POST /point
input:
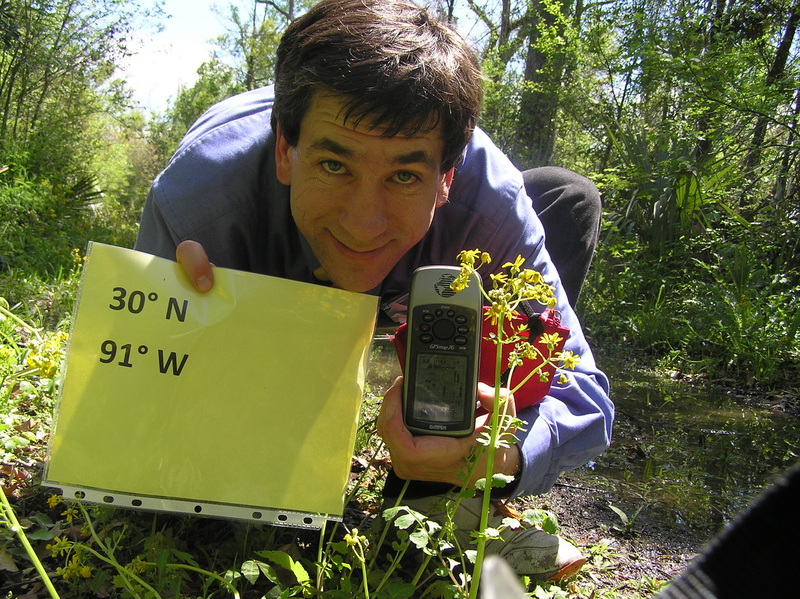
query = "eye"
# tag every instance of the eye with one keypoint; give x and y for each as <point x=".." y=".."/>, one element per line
<point x="404" y="177"/>
<point x="334" y="167"/>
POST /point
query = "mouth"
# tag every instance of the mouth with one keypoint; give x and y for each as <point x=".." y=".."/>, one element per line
<point x="358" y="253"/>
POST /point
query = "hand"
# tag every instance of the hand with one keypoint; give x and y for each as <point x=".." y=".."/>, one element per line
<point x="439" y="458"/>
<point x="192" y="257"/>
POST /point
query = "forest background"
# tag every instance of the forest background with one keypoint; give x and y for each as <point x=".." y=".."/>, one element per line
<point x="684" y="113"/>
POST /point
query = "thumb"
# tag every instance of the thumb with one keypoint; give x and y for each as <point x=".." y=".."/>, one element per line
<point x="192" y="257"/>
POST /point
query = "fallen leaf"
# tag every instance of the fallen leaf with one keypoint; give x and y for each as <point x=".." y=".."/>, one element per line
<point x="7" y="562"/>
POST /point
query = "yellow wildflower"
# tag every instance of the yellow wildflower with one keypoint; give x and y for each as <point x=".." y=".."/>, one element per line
<point x="551" y="340"/>
<point x="75" y="569"/>
<point x="568" y="359"/>
<point x="59" y="545"/>
<point x="70" y="513"/>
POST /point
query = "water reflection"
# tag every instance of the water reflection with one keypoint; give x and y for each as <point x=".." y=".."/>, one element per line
<point x="700" y="454"/>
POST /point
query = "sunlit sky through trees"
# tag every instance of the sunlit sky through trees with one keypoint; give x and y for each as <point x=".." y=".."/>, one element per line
<point x="165" y="60"/>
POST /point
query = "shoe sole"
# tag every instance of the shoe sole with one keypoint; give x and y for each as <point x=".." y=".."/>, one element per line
<point x="567" y="571"/>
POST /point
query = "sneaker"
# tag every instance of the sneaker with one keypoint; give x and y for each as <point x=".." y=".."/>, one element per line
<point x="529" y="550"/>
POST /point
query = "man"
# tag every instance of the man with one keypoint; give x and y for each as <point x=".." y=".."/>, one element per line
<point x="366" y="165"/>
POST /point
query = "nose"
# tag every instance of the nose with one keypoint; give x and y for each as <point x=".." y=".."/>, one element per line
<point x="364" y="214"/>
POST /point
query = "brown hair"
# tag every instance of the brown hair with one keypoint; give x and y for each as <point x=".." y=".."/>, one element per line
<point x="396" y="67"/>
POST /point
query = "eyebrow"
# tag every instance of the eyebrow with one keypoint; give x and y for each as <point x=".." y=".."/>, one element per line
<point x="326" y="144"/>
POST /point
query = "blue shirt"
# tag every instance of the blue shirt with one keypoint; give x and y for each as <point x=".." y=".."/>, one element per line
<point x="220" y="190"/>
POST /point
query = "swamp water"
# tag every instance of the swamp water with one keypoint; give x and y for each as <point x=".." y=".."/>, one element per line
<point x="695" y="456"/>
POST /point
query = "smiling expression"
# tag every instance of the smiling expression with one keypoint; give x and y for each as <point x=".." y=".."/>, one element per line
<point x="360" y="199"/>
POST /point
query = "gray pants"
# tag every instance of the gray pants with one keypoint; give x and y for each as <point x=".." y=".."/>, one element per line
<point x="570" y="208"/>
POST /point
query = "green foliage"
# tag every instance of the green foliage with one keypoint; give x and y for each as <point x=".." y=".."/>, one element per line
<point x="727" y="308"/>
<point x="215" y="83"/>
<point x="248" y="45"/>
<point x="501" y="98"/>
<point x="125" y="162"/>
<point x="43" y="222"/>
<point x="243" y="60"/>
<point x="529" y="55"/>
<point x="746" y="319"/>
<point x="53" y="64"/>
<point x="30" y="358"/>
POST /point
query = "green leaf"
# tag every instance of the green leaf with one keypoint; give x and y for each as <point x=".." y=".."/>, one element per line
<point x="432" y="525"/>
<point x="400" y="590"/>
<point x="231" y="576"/>
<point x="405" y="521"/>
<point x="391" y="512"/>
<point x="284" y="560"/>
<point x="622" y="515"/>
<point x="544" y="519"/>
<point x="269" y="572"/>
<point x="43" y="520"/>
<point x="186" y="557"/>
<point x="420" y="538"/>
<point x="501" y="480"/>
<point x="161" y="560"/>
<point x="250" y="571"/>
<point x="40" y="535"/>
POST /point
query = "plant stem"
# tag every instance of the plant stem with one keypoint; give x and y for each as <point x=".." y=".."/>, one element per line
<point x="9" y="314"/>
<point x="362" y="559"/>
<point x="201" y="571"/>
<point x="421" y="570"/>
<point x="322" y="557"/>
<point x="386" y="526"/>
<point x="109" y="556"/>
<point x="124" y="573"/>
<point x="14" y="526"/>
<point x="487" y="491"/>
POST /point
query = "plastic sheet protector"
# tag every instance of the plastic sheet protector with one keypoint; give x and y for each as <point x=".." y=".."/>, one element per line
<point x="242" y="402"/>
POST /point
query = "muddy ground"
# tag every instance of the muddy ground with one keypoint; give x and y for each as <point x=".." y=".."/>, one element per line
<point x="650" y="548"/>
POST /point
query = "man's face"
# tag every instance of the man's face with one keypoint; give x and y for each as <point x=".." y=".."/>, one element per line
<point x="361" y="200"/>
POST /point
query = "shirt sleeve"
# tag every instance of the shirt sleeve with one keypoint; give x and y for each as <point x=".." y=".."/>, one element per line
<point x="220" y="190"/>
<point x="567" y="429"/>
<point x="573" y="423"/>
<point x="155" y="235"/>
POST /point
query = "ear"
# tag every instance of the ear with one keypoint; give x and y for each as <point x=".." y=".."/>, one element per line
<point x="283" y="158"/>
<point x="444" y="188"/>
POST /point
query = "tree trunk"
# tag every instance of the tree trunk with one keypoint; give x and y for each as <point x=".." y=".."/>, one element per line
<point x="540" y="97"/>
<point x="703" y="146"/>
<point x="775" y="73"/>
<point x="789" y="155"/>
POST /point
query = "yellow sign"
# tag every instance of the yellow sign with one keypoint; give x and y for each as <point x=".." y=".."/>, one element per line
<point x="246" y="396"/>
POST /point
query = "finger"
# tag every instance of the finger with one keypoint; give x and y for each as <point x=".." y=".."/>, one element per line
<point x="486" y="396"/>
<point x="390" y="418"/>
<point x="192" y="257"/>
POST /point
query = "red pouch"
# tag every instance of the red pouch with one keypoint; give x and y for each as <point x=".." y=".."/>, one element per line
<point x="534" y="389"/>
